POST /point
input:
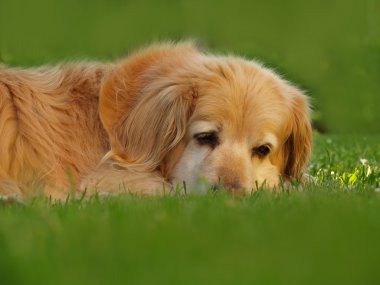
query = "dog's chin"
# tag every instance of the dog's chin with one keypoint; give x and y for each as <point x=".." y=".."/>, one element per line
<point x="202" y="185"/>
<point x="196" y="183"/>
<point x="194" y="186"/>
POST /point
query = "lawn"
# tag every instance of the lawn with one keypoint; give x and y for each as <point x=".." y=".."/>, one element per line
<point x="329" y="48"/>
<point x="327" y="232"/>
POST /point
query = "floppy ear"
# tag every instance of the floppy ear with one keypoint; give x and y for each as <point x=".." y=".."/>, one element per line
<point x="145" y="106"/>
<point x="299" y="143"/>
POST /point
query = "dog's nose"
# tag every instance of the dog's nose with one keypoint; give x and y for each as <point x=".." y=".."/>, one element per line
<point x="233" y="184"/>
<point x="214" y="187"/>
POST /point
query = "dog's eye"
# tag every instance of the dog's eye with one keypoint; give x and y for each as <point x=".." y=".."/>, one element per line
<point x="210" y="139"/>
<point x="262" y="150"/>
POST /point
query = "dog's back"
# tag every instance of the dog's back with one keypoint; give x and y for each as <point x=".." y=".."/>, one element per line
<point x="49" y="124"/>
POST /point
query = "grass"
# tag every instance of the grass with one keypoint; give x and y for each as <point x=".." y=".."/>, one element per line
<point x="327" y="232"/>
<point x="324" y="233"/>
<point x="329" y="48"/>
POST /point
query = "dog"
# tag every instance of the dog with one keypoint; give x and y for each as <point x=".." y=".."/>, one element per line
<point x="167" y="115"/>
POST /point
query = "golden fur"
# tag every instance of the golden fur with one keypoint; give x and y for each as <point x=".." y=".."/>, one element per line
<point x="164" y="115"/>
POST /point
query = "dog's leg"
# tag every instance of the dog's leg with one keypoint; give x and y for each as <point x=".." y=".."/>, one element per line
<point x="57" y="193"/>
<point x="111" y="180"/>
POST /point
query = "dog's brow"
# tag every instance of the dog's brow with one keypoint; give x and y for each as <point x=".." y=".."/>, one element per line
<point x="270" y="138"/>
<point x="203" y="126"/>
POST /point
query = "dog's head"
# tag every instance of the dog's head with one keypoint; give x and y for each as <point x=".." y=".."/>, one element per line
<point x="189" y="115"/>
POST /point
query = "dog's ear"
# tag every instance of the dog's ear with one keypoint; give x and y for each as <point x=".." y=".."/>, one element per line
<point x="298" y="146"/>
<point x="145" y="104"/>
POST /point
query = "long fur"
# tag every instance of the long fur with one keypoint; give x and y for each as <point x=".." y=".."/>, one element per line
<point x="57" y="123"/>
<point x="50" y="127"/>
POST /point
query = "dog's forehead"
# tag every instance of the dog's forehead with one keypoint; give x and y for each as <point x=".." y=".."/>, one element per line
<point x="243" y="99"/>
<point x="237" y="85"/>
<point x="240" y="114"/>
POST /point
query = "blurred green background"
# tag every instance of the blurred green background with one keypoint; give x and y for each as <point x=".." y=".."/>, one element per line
<point x="329" y="48"/>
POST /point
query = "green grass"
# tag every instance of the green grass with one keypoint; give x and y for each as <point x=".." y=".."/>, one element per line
<point x="324" y="233"/>
<point x="327" y="232"/>
<point x="329" y="48"/>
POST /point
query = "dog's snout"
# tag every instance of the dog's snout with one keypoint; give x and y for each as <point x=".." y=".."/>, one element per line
<point x="230" y="184"/>
<point x="233" y="184"/>
<point x="214" y="187"/>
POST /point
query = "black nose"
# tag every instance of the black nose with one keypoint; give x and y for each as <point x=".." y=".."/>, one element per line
<point x="214" y="187"/>
<point x="231" y="185"/>
<point x="234" y="185"/>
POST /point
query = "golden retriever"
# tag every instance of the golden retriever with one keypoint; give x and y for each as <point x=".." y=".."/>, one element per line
<point x="168" y="114"/>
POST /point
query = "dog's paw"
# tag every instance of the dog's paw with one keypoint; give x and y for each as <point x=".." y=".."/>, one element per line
<point x="10" y="192"/>
<point x="11" y="199"/>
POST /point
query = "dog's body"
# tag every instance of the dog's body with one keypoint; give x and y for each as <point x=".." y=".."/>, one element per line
<point x="162" y="116"/>
<point x="50" y="127"/>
